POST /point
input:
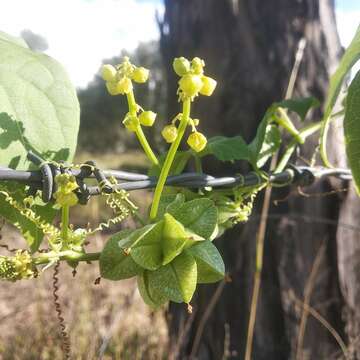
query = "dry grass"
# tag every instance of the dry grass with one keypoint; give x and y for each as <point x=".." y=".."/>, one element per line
<point x="109" y="317"/>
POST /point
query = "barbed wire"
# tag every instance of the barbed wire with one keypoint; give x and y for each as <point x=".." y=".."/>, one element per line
<point x="43" y="179"/>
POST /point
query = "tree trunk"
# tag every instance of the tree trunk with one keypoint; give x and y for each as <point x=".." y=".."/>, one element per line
<point x="249" y="46"/>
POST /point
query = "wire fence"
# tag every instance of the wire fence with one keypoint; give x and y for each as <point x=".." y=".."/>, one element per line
<point x="43" y="179"/>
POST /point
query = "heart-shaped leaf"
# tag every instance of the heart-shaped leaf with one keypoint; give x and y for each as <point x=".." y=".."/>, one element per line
<point x="114" y="263"/>
<point x="352" y="129"/>
<point x="169" y="203"/>
<point x="198" y="215"/>
<point x="153" y="300"/>
<point x="174" y="238"/>
<point x="32" y="234"/>
<point x="176" y="280"/>
<point x="39" y="109"/>
<point x="210" y="265"/>
<point x="145" y="245"/>
<point x="227" y="148"/>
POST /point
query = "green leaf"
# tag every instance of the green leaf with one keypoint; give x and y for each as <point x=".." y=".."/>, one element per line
<point x="169" y="203"/>
<point x="143" y="286"/>
<point x="176" y="280"/>
<point x="210" y="265"/>
<point x="199" y="216"/>
<point x="145" y="245"/>
<point x="31" y="233"/>
<point x="114" y="263"/>
<point x="174" y="238"/>
<point x="177" y="167"/>
<point x="352" y="129"/>
<point x="266" y="141"/>
<point x="300" y="106"/>
<point x="271" y="144"/>
<point x="39" y="110"/>
<point x="227" y="149"/>
<point x="350" y="57"/>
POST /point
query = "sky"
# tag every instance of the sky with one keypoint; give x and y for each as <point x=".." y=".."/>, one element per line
<point x="80" y="33"/>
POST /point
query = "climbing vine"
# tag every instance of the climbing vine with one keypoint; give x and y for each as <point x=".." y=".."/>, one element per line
<point x="172" y="249"/>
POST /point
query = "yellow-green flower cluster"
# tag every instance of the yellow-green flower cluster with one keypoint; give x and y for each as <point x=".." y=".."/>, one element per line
<point x="64" y="195"/>
<point x="193" y="81"/>
<point x="17" y="267"/>
<point x="196" y="140"/>
<point x="119" y="78"/>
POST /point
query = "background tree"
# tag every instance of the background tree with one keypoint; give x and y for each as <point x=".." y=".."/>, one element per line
<point x="250" y="47"/>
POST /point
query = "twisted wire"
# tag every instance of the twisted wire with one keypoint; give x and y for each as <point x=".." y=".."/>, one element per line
<point x="61" y="321"/>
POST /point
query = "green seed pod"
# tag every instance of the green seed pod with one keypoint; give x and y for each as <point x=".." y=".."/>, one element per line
<point x="197" y="141"/>
<point x="181" y="66"/>
<point x="169" y="133"/>
<point x="147" y="118"/>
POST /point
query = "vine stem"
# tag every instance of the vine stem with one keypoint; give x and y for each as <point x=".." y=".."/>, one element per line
<point x="139" y="133"/>
<point x="65" y="255"/>
<point x="65" y="225"/>
<point x="170" y="158"/>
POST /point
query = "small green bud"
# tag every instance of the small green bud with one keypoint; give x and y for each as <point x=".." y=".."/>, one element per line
<point x="169" y="133"/>
<point x="108" y="72"/>
<point x="140" y="75"/>
<point x="197" y="141"/>
<point x="131" y="123"/>
<point x="197" y="66"/>
<point x="112" y="88"/>
<point x="147" y="118"/>
<point x="208" y="87"/>
<point x="181" y="66"/>
<point x="190" y="85"/>
<point x="124" y="86"/>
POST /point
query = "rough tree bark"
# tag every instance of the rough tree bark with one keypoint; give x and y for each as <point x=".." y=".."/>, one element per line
<point x="249" y="47"/>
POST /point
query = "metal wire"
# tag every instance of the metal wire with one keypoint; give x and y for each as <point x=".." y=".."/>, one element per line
<point x="43" y="179"/>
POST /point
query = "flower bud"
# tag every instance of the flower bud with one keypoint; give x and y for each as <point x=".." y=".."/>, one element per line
<point x="197" y="66"/>
<point x="112" y="88"/>
<point x="190" y="85"/>
<point x="197" y="141"/>
<point x="140" y="75"/>
<point x="169" y="133"/>
<point x="131" y="123"/>
<point x="181" y="66"/>
<point x="124" y="86"/>
<point x="147" y="118"/>
<point x="209" y="86"/>
<point x="108" y="72"/>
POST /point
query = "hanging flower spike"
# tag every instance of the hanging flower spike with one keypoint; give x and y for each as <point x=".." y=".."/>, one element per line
<point x="197" y="141"/>
<point x="17" y="267"/>
<point x="169" y="133"/>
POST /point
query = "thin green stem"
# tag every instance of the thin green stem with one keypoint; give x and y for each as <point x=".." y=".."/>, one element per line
<point x="139" y="133"/>
<point x="67" y="255"/>
<point x="303" y="133"/>
<point x="170" y="158"/>
<point x="198" y="165"/>
<point x="65" y="225"/>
